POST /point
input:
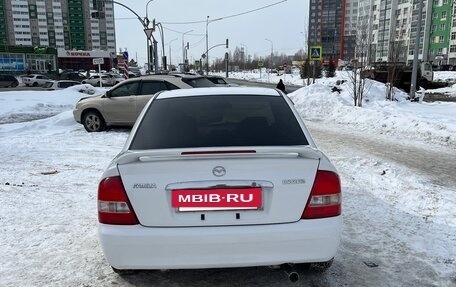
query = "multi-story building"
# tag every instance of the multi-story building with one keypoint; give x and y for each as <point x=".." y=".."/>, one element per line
<point x="452" y="37"/>
<point x="390" y="29"/>
<point x="58" y="24"/>
<point x="326" y="22"/>
<point x="440" y="32"/>
<point x="350" y="30"/>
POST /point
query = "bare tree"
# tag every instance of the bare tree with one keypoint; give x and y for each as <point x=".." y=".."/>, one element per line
<point x="397" y="52"/>
<point x="395" y="69"/>
<point x="300" y="55"/>
<point x="357" y="77"/>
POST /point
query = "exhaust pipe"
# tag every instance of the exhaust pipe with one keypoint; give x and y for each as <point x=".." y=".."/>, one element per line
<point x="293" y="276"/>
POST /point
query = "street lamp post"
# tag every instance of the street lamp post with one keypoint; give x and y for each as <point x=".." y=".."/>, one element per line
<point x="169" y="44"/>
<point x="207" y="41"/>
<point x="146" y="23"/>
<point x="245" y="53"/>
<point x="303" y="44"/>
<point x="272" y="57"/>
<point x="183" y="47"/>
<point x="272" y="53"/>
<point x="147" y="5"/>
<point x="207" y="46"/>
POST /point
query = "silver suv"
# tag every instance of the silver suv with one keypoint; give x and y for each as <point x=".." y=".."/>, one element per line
<point x="121" y="105"/>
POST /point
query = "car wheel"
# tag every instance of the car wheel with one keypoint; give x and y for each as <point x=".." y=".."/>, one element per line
<point x="93" y="122"/>
<point x="35" y="84"/>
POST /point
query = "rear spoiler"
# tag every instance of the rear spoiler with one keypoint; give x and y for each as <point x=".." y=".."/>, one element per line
<point x="213" y="153"/>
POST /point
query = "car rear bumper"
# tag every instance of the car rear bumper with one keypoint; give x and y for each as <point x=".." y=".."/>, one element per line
<point x="138" y="247"/>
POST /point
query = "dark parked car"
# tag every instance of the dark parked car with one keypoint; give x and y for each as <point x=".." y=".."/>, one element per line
<point x="8" y="81"/>
<point x="219" y="81"/>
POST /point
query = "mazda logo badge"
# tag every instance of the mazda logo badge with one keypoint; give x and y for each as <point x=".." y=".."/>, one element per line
<point x="219" y="171"/>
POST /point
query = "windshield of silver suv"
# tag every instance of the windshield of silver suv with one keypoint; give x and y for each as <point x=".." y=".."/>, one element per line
<point x="222" y="120"/>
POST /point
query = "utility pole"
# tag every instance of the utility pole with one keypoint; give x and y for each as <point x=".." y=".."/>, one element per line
<point x="184" y="52"/>
<point x="416" y="51"/>
<point x="271" y="64"/>
<point x="207" y="46"/>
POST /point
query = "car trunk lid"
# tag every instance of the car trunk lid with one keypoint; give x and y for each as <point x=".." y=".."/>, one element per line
<point x="263" y="185"/>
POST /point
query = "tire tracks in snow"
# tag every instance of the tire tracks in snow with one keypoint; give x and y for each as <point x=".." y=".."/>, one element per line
<point x="437" y="163"/>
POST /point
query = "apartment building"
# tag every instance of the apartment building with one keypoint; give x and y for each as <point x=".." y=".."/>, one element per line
<point x="63" y="25"/>
<point x="392" y="27"/>
<point x="452" y="37"/>
<point x="441" y="34"/>
<point x="350" y="31"/>
<point x="326" y="22"/>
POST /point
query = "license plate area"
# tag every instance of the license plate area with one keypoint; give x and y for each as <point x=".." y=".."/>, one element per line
<point x="217" y="199"/>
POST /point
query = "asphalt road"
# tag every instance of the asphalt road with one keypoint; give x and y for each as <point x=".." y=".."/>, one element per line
<point x="21" y="88"/>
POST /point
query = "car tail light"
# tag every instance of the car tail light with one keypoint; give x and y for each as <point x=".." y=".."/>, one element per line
<point x="325" y="199"/>
<point x="113" y="204"/>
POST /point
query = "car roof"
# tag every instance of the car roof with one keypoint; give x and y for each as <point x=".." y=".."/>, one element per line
<point x="166" y="77"/>
<point x="175" y="79"/>
<point x="217" y="91"/>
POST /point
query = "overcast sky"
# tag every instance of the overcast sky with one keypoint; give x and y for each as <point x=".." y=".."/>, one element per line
<point x="284" y="24"/>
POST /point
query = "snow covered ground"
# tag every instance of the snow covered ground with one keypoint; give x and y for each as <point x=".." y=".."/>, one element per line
<point x="393" y="217"/>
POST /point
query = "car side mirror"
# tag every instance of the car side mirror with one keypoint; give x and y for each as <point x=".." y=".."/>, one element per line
<point x="107" y="94"/>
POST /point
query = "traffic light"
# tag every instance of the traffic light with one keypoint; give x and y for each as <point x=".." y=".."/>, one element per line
<point x="97" y="15"/>
<point x="227" y="43"/>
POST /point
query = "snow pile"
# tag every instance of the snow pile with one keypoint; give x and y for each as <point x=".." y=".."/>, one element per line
<point x="430" y="122"/>
<point x="30" y="105"/>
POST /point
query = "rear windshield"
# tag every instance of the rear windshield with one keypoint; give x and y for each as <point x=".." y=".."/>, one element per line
<point x="218" y="121"/>
<point x="198" y="82"/>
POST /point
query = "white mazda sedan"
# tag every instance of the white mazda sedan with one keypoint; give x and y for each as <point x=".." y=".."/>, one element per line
<point x="219" y="177"/>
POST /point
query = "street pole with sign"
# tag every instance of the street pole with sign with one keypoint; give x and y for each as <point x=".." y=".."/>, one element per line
<point x="315" y="56"/>
<point x="260" y="65"/>
<point x="99" y="62"/>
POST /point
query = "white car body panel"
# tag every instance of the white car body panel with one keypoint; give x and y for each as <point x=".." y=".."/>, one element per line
<point x="138" y="247"/>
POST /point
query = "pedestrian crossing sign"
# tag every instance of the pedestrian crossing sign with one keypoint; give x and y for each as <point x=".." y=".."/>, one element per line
<point x="316" y="53"/>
